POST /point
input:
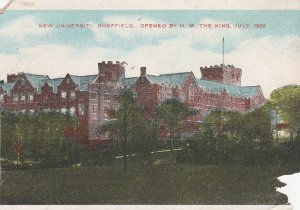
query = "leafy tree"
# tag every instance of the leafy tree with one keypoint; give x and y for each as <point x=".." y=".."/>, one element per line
<point x="128" y="123"/>
<point x="286" y="102"/>
<point x="171" y="113"/>
<point x="18" y="145"/>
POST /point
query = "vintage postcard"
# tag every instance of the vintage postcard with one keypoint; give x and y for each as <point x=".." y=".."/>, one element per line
<point x="132" y="104"/>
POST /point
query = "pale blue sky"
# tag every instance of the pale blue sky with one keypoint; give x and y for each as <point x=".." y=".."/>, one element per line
<point x="279" y="23"/>
<point x="269" y="57"/>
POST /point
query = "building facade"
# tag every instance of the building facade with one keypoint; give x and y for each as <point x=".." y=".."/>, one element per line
<point x="90" y="97"/>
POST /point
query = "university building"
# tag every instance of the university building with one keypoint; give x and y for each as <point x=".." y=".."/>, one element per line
<point x="90" y="97"/>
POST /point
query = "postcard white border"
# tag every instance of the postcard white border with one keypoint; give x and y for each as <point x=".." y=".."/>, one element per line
<point x="155" y="5"/>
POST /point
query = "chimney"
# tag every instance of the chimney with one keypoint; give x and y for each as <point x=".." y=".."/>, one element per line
<point x="143" y="71"/>
<point x="12" y="77"/>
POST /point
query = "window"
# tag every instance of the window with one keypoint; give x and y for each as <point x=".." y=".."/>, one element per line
<point x="93" y="96"/>
<point x="30" y="97"/>
<point x="72" y="110"/>
<point x="63" y="94"/>
<point x="73" y="95"/>
<point x="16" y="97"/>
<point x="191" y="92"/>
<point x="106" y="115"/>
<point x="1" y="97"/>
<point x="115" y="97"/>
<point x="23" y="98"/>
<point x="81" y="109"/>
<point x="106" y="97"/>
<point x="94" y="107"/>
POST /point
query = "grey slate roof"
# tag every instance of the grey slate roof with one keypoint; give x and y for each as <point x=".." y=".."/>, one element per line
<point x="36" y="80"/>
<point x="175" y="79"/>
<point x="83" y="81"/>
<point x="129" y="82"/>
<point x="234" y="90"/>
<point x="7" y="87"/>
<point x="54" y="83"/>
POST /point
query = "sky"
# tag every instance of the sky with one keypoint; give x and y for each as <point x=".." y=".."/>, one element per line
<point x="267" y="56"/>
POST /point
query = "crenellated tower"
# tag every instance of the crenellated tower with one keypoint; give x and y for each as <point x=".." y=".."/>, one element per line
<point x="223" y="74"/>
<point x="111" y="72"/>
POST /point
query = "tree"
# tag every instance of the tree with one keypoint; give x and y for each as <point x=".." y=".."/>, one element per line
<point x="128" y="122"/>
<point x="171" y="113"/>
<point x="18" y="146"/>
<point x="286" y="102"/>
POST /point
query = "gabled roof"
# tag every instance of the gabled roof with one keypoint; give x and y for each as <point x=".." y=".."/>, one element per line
<point x="35" y="79"/>
<point x="211" y="86"/>
<point x="175" y="79"/>
<point x="7" y="87"/>
<point x="129" y="82"/>
<point x="54" y="83"/>
<point x="83" y="81"/>
<point x="233" y="90"/>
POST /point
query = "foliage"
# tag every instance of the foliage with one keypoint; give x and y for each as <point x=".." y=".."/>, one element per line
<point x="231" y="137"/>
<point x="286" y="102"/>
<point x="38" y="137"/>
<point x="129" y="124"/>
<point x="170" y="113"/>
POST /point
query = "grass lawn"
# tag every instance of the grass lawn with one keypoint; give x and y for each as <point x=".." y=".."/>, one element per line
<point x="159" y="183"/>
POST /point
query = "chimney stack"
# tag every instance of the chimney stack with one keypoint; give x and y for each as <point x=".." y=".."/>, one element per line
<point x="143" y="71"/>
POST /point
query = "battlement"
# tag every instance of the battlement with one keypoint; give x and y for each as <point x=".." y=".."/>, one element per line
<point x="220" y="67"/>
<point x="111" y="63"/>
<point x="112" y="71"/>
<point x="228" y="74"/>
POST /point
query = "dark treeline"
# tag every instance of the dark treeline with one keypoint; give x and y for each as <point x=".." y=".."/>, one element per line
<point x="237" y="138"/>
<point x="38" y="140"/>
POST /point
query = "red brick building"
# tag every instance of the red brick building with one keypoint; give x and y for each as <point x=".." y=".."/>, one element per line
<point x="90" y="97"/>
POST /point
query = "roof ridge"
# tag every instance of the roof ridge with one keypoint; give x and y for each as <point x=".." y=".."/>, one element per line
<point x="130" y="77"/>
<point x="36" y="74"/>
<point x="84" y="75"/>
<point x="176" y="73"/>
<point x="251" y="86"/>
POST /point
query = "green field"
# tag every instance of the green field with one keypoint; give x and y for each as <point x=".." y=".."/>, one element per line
<point x="158" y="183"/>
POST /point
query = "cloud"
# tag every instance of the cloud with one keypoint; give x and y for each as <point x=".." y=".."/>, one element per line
<point x="56" y="60"/>
<point x="269" y="61"/>
<point x="22" y="28"/>
<point x="266" y="61"/>
<point x="129" y="32"/>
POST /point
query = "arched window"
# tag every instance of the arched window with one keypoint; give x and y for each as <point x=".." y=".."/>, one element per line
<point x="191" y="93"/>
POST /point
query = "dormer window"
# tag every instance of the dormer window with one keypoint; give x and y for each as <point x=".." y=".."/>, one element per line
<point x="63" y="94"/>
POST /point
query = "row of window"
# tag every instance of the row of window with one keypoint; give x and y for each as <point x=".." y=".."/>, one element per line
<point x="63" y="94"/>
<point x="23" y="97"/>
<point x="106" y="96"/>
